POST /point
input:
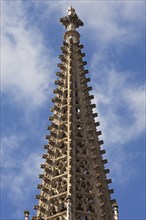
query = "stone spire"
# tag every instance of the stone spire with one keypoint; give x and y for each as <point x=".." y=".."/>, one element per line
<point x="74" y="185"/>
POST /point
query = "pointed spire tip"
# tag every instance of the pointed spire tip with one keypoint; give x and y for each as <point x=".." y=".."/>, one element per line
<point x="71" y="11"/>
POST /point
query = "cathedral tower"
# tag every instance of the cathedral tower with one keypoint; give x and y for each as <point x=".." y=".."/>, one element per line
<point x="74" y="185"/>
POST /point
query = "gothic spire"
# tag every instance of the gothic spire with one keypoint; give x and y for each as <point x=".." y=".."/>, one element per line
<point x="74" y="185"/>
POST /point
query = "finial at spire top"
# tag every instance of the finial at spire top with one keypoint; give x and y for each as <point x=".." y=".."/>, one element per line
<point x="71" y="11"/>
<point x="71" y="21"/>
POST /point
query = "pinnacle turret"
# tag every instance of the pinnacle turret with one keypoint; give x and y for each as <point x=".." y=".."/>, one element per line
<point x="26" y="215"/>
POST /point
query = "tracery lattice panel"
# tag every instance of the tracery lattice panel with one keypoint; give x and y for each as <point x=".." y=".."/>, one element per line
<point x="57" y="205"/>
<point x="58" y="185"/>
<point x="85" y="203"/>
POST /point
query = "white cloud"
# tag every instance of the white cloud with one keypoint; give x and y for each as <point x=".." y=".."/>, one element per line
<point x="19" y="171"/>
<point x="107" y="22"/>
<point x="15" y="157"/>
<point x="24" y="65"/>
<point x="9" y="148"/>
<point x="121" y="105"/>
<point x="25" y="68"/>
<point x="114" y="22"/>
<point x="124" y="168"/>
<point x="135" y="99"/>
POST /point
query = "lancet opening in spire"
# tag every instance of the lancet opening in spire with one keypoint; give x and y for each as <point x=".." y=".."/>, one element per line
<point x="71" y="21"/>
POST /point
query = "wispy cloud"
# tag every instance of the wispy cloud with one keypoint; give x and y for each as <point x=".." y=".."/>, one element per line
<point x="25" y="68"/>
<point x="118" y="99"/>
<point x="109" y="23"/>
<point x="114" y="23"/>
<point x="120" y="103"/>
<point x="20" y="169"/>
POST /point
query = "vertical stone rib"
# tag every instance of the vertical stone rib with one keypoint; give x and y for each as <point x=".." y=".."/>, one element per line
<point x="69" y="162"/>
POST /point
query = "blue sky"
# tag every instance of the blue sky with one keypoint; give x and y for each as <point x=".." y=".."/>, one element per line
<point x="114" y="40"/>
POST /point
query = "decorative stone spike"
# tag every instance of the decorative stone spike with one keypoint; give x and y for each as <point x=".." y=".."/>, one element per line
<point x="95" y="115"/>
<point x="56" y="99"/>
<point x="81" y="46"/>
<point x="93" y="106"/>
<point x="54" y="117"/>
<point x="62" y="57"/>
<point x="82" y="54"/>
<point x="59" y="83"/>
<point x="61" y="66"/>
<point x="46" y="147"/>
<point x="38" y="196"/>
<point x="98" y="133"/>
<point x="43" y="166"/>
<point x="102" y="151"/>
<point x="104" y="161"/>
<point x="87" y="89"/>
<point x="111" y="191"/>
<point x="39" y="186"/>
<point x="44" y="156"/>
<point x="47" y="137"/>
<point x="60" y="74"/>
<point x="101" y="142"/>
<point x="86" y="80"/>
<point x="83" y="63"/>
<point x="109" y="181"/>
<point x="36" y="207"/>
<point x="86" y="71"/>
<point x="58" y="91"/>
<point x="55" y="108"/>
<point x="41" y="176"/>
<point x="106" y="171"/>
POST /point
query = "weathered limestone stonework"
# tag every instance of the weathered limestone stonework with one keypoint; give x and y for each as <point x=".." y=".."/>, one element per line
<point x="74" y="183"/>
